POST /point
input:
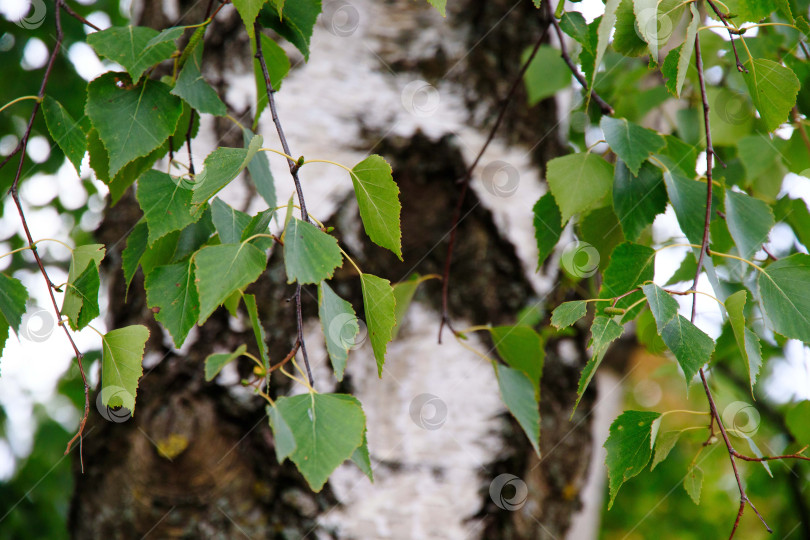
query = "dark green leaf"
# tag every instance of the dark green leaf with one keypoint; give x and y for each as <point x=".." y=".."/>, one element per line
<point x="379" y="305"/>
<point x="361" y="458"/>
<point x="121" y="365"/>
<point x="221" y="167"/>
<point x="228" y="221"/>
<point x="749" y="221"/>
<point x="259" y="169"/>
<point x="166" y="204"/>
<point x="568" y="313"/>
<point x="637" y="200"/>
<point x="521" y="348"/>
<point x="258" y="329"/>
<point x="192" y="87"/>
<point x="786" y="296"/>
<point x="630" y="266"/>
<point x="130" y="47"/>
<point x="136" y="247"/>
<point x="662" y="305"/>
<point x="294" y="23"/>
<point x="310" y="255"/>
<point x="547" y="226"/>
<point x="173" y="291"/>
<point x="604" y="331"/>
<point x="632" y="143"/>
<point x="223" y="269"/>
<point x="13" y="296"/>
<point x="339" y="325"/>
<point x="626" y="39"/>
<point x="691" y="346"/>
<point x="74" y="302"/>
<point x="518" y="394"/>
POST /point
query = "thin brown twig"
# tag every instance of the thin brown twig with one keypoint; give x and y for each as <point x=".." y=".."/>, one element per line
<point x="78" y="17"/>
<point x="21" y="148"/>
<point x="703" y="250"/>
<point x="603" y="105"/>
<point x="294" y="173"/>
<point x="731" y="32"/>
<point x="797" y="455"/>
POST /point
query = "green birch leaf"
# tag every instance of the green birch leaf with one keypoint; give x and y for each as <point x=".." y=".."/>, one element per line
<point x="86" y="288"/>
<point x="693" y="483"/>
<point x="378" y="199"/>
<point x="361" y="458"/>
<point x="632" y="143"/>
<point x="662" y="305"/>
<point x="172" y="290"/>
<point x="630" y="266"/>
<point x="521" y="348"/>
<point x="685" y="272"/>
<point x="548" y="226"/>
<point x="339" y="325"/>
<point x="327" y="429"/>
<point x="749" y="221"/>
<point x="121" y="357"/>
<point x="786" y="296"/>
<point x="223" y="269"/>
<point x="65" y="131"/>
<point x="310" y="255"/>
<point x="132" y="47"/>
<point x="13" y="296"/>
<point x="194" y="90"/>
<point x="747" y="341"/>
<point x="574" y="24"/>
<point x="690" y="345"/>
<point x="259" y="224"/>
<point x="379" y="305"/>
<point x="403" y="294"/>
<point x="215" y="362"/>
<point x="603" y="33"/>
<point x="578" y="181"/>
<point x="518" y="394"/>
<point x="228" y="221"/>
<point x="773" y="88"/>
<point x="294" y="22"/>
<point x="259" y="169"/>
<point x="131" y="121"/>
<point x="283" y="439"/>
<point x="74" y="302"/>
<point x="686" y="195"/>
<point x="663" y="446"/>
<point x="194" y="236"/>
<point x="568" y="313"/>
<point x="166" y="204"/>
<point x="677" y="62"/>
<point x="258" y="329"/>
<point x="248" y="10"/>
<point x="638" y="199"/>
<point x="546" y="75"/>
<point x="221" y="167"/>
<point x="167" y="35"/>
<point x="604" y="331"/>
<point x="628" y="447"/>
<point x="626" y="40"/>
<point x="134" y="250"/>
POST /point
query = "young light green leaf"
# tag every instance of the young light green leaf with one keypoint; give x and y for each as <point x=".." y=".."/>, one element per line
<point x="223" y="269"/>
<point x="786" y="297"/>
<point x="283" y="439"/>
<point x="172" y="290"/>
<point x="546" y="75"/>
<point x="310" y="255"/>
<point x="638" y="199"/>
<point x="749" y="222"/>
<point x="747" y="341"/>
<point x="228" y="221"/>
<point x="166" y="204"/>
<point x="215" y="362"/>
<point x="129" y="46"/>
<point x="74" y="302"/>
<point x="131" y="121"/>
<point x="339" y="325"/>
<point x="773" y="88"/>
<point x="327" y="429"/>
<point x="519" y="396"/>
<point x="578" y="181"/>
<point x="403" y="294"/>
<point x="65" y="131"/>
<point x="797" y="424"/>
<point x="568" y="313"/>
<point x="248" y="10"/>
<point x="662" y="305"/>
<point x="194" y="90"/>
<point x="259" y="169"/>
<point x="258" y="329"/>
<point x="690" y="345"/>
<point x="379" y="305"/>
<point x="632" y="143"/>
<point x="378" y="199"/>
<point x="664" y="445"/>
<point x="13" y="296"/>
<point x="522" y="348"/>
<point x="628" y="447"/>
<point x="604" y="331"/>
<point x="693" y="483"/>
<point x="547" y="226"/>
<point x="603" y="33"/>
<point x="441" y="6"/>
<point x="221" y="167"/>
<point x="121" y="357"/>
<point x="574" y="24"/>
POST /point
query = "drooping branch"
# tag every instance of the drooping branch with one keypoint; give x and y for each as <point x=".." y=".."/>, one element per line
<point x="294" y="173"/>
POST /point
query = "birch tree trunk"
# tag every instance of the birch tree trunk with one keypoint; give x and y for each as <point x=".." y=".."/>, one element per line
<point x="393" y="78"/>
